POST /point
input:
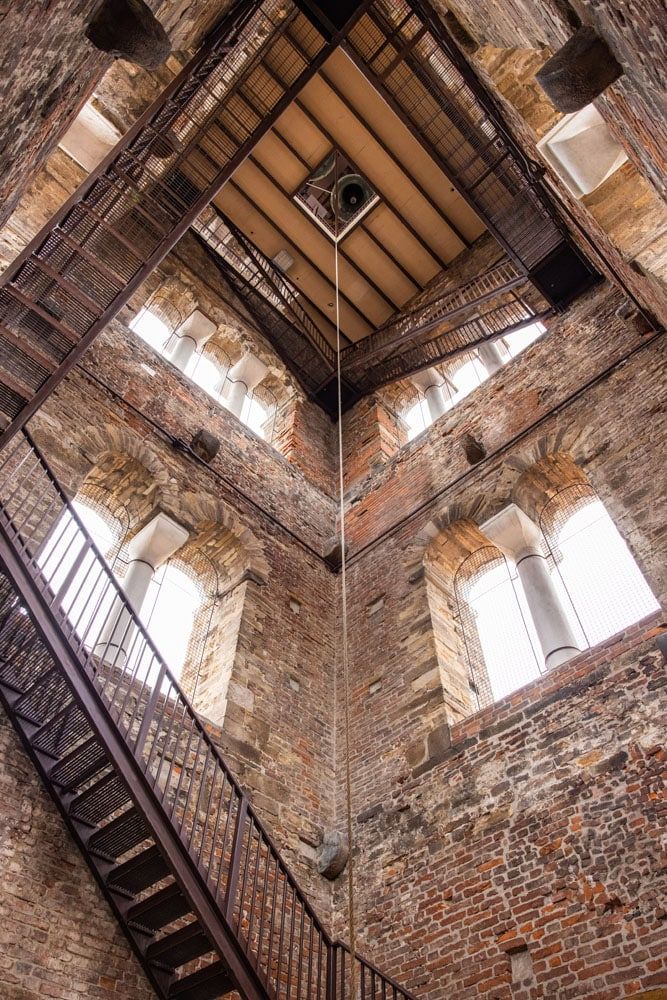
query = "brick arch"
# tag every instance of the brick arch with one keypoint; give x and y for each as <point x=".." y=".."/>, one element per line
<point x="476" y="508"/>
<point x="570" y="438"/>
<point x="205" y="514"/>
<point x="109" y="438"/>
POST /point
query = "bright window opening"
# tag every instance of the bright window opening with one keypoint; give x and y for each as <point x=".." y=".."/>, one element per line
<point x="469" y="376"/>
<point x="605" y="589"/>
<point x="510" y="647"/>
<point x="417" y="419"/>
<point x="86" y="596"/>
<point x="254" y="415"/>
<point x="169" y="613"/>
<point x="151" y="329"/>
<point x="521" y="339"/>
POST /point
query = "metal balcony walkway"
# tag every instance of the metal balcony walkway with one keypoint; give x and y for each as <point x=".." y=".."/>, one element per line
<point x="93" y="254"/>
<point x="194" y="879"/>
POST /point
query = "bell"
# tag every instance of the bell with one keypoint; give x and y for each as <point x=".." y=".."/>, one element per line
<point x="349" y="197"/>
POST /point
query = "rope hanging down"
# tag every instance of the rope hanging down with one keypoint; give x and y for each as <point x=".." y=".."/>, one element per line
<point x="346" y="673"/>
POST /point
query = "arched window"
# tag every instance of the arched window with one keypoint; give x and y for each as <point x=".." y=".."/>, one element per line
<point x="157" y="320"/>
<point x="603" y="588"/>
<point x="208" y="369"/>
<point x="501" y="646"/>
<point x="72" y="568"/>
<point x="417" y="418"/>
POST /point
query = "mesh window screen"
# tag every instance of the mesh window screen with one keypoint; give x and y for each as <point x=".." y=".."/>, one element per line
<point x="601" y="585"/>
<point x="115" y="516"/>
<point x="179" y="612"/>
<point x="498" y="633"/>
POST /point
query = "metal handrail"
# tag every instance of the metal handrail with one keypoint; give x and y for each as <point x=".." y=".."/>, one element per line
<point x="255" y="891"/>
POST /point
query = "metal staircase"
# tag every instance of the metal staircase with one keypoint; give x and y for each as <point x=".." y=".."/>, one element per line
<point x="194" y="879"/>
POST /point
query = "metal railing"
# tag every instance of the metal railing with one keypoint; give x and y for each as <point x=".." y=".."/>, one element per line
<point x="258" y="898"/>
<point x="489" y="326"/>
<point x="424" y="316"/>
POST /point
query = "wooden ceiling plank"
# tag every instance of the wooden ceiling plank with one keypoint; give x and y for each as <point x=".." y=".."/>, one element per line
<point x="388" y="230"/>
<point x="287" y="194"/>
<point x="404" y="222"/>
<point x="371" y="255"/>
<point x="366" y="325"/>
<point x="388" y="152"/>
<point x="416" y="286"/>
<point x="373" y="108"/>
<point x="288" y="197"/>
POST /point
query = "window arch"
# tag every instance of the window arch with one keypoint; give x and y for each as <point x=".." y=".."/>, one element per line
<point x="602" y="585"/>
<point x="157" y="321"/>
<point x="71" y="567"/>
<point x="209" y="369"/>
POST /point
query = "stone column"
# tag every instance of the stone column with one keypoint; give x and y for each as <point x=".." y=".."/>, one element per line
<point x="491" y="357"/>
<point x="432" y="384"/>
<point x="519" y="537"/>
<point x="148" y="550"/>
<point x="241" y="379"/>
<point x="191" y="336"/>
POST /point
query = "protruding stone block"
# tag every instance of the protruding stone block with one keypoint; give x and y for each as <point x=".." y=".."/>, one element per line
<point x="205" y="445"/>
<point x="128" y="29"/>
<point x="333" y="554"/>
<point x="474" y="450"/>
<point x="579" y="72"/>
<point x="332" y="855"/>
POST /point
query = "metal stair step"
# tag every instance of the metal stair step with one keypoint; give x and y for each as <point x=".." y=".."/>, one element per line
<point x="158" y="910"/>
<point x="205" y="984"/>
<point x="62" y="732"/>
<point x="44" y="698"/>
<point x="79" y="765"/>
<point x="139" y="872"/>
<point x="102" y="799"/>
<point x="180" y="947"/>
<point x="119" y="836"/>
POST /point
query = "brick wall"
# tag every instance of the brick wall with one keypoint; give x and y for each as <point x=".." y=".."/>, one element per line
<point x="519" y="854"/>
<point x="58" y="937"/>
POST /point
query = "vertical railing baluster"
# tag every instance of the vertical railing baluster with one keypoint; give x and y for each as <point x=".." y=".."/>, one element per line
<point x="235" y="865"/>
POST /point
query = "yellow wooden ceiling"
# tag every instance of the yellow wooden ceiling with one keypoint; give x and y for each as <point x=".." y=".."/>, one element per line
<point x="419" y="225"/>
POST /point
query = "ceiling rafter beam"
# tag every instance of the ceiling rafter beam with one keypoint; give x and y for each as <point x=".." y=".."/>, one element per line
<point x="433" y="254"/>
<point x="389" y="98"/>
<point x="393" y="305"/>
<point x="429" y="249"/>
<point x="290" y="243"/>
